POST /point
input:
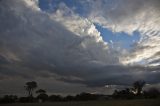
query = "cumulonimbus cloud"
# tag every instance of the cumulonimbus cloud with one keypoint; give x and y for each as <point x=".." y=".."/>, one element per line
<point x="38" y="42"/>
<point x="65" y="46"/>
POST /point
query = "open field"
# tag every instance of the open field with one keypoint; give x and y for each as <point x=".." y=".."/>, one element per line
<point x="94" y="103"/>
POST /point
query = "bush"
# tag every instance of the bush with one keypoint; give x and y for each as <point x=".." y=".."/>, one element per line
<point x="9" y="99"/>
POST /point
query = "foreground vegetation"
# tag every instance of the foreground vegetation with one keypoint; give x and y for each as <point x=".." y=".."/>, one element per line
<point x="142" y="102"/>
<point x="133" y="96"/>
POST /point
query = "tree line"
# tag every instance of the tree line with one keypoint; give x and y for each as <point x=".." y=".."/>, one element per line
<point x="135" y="92"/>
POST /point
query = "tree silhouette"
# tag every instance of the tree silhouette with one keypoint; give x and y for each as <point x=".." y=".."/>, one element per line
<point x="42" y="95"/>
<point x="152" y="93"/>
<point x="30" y="86"/>
<point x="9" y="99"/>
<point x="54" y="98"/>
<point x="40" y="91"/>
<point x="138" y="85"/>
<point x="123" y="94"/>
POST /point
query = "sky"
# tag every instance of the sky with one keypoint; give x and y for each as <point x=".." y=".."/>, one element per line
<point x="73" y="46"/>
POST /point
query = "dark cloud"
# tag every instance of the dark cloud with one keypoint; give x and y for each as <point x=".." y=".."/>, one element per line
<point x="33" y="45"/>
<point x="117" y="75"/>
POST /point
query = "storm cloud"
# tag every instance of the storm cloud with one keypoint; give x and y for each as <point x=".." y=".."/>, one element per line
<point x="67" y="48"/>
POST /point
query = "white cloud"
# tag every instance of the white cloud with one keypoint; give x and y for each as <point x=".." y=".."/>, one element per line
<point x="32" y="4"/>
<point x="129" y="16"/>
<point x="85" y="29"/>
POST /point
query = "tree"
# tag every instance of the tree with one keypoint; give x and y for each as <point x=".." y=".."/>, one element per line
<point x="123" y="94"/>
<point x="138" y="85"/>
<point x="30" y="86"/>
<point x="152" y="93"/>
<point x="54" y="98"/>
<point x="40" y="91"/>
<point x="9" y="99"/>
<point x="42" y="95"/>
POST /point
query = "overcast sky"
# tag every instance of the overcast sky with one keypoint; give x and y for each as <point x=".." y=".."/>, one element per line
<point x="73" y="46"/>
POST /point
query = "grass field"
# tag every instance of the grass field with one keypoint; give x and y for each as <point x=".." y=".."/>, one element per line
<point x="94" y="103"/>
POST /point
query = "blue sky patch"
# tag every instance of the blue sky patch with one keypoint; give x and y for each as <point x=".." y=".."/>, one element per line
<point x="75" y="5"/>
<point x="125" y="40"/>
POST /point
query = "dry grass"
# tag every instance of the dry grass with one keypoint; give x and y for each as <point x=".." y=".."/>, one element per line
<point x="94" y="103"/>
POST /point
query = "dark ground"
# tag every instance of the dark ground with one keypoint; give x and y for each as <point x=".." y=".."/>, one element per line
<point x="145" y="102"/>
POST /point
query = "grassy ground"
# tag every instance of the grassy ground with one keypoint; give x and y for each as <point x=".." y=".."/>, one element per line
<point x="94" y="103"/>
